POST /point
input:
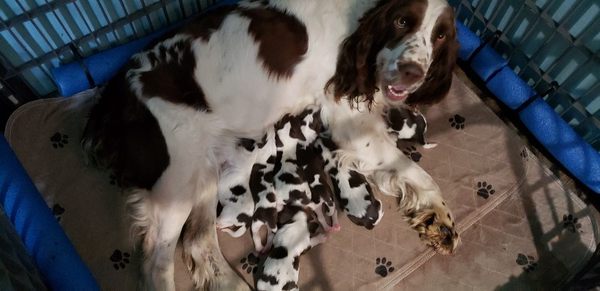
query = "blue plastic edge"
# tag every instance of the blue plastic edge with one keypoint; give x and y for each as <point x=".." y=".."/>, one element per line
<point x="487" y="62"/>
<point x="574" y="153"/>
<point x="44" y="239"/>
<point x="469" y="41"/>
<point x="563" y="142"/>
<point x="509" y="88"/>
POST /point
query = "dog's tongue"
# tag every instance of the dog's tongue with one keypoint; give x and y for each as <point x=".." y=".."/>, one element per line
<point x="397" y="92"/>
<point x="399" y="88"/>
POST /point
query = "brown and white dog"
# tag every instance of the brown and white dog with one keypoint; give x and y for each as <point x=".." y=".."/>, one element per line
<point x="160" y="124"/>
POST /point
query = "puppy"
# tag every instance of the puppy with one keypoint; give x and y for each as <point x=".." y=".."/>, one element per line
<point x="356" y="197"/>
<point x="296" y="235"/>
<point x="236" y="207"/>
<point x="407" y="124"/>
<point x="314" y="161"/>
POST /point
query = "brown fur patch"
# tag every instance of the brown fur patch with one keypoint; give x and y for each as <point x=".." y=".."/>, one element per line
<point x="174" y="80"/>
<point x="282" y="39"/>
<point x="117" y="127"/>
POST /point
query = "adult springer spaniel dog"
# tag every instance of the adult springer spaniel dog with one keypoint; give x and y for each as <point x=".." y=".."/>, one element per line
<point x="163" y="123"/>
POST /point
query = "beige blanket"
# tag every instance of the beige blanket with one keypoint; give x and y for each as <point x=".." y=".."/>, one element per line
<point x="519" y="227"/>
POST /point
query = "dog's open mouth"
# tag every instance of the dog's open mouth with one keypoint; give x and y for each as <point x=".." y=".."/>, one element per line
<point x="396" y="92"/>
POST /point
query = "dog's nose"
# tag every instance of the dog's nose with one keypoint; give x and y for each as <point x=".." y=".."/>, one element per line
<point x="410" y="73"/>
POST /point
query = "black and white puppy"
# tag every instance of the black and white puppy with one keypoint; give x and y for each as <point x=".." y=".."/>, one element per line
<point x="298" y="177"/>
<point x="235" y="207"/>
<point x="407" y="124"/>
<point x="315" y="161"/>
<point x="297" y="234"/>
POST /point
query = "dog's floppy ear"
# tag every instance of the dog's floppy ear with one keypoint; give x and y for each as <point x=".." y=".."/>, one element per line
<point x="439" y="77"/>
<point x="355" y="76"/>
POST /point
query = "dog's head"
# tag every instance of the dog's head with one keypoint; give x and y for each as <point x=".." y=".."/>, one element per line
<point x="436" y="227"/>
<point x="404" y="49"/>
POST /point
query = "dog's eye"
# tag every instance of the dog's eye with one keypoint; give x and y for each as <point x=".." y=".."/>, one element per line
<point x="441" y="36"/>
<point x="400" y="23"/>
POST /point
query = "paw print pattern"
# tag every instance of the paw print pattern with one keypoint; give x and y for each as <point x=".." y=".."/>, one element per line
<point x="59" y="140"/>
<point x="571" y="223"/>
<point x="57" y="210"/>
<point x="457" y="122"/>
<point x="383" y="267"/>
<point x="112" y="179"/>
<point x="412" y="153"/>
<point x="119" y="259"/>
<point x="249" y="263"/>
<point x="485" y="190"/>
<point x="528" y="262"/>
<point x="524" y="154"/>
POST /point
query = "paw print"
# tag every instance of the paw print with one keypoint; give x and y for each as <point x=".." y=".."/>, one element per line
<point x="384" y="267"/>
<point x="528" y="262"/>
<point x="59" y="140"/>
<point x="524" y="154"/>
<point x="412" y="153"/>
<point x="485" y="190"/>
<point x="119" y="259"/>
<point x="571" y="223"/>
<point x="112" y="179"/>
<point x="249" y="263"/>
<point x="57" y="210"/>
<point x="457" y="121"/>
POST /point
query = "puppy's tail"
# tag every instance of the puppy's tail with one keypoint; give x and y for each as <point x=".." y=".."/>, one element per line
<point x="202" y="255"/>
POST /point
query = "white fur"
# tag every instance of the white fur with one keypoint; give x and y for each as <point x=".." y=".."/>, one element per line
<point x="407" y="131"/>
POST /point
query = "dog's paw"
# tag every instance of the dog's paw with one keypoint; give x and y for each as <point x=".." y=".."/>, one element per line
<point x="435" y="226"/>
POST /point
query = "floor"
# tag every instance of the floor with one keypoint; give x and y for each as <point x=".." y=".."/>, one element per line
<point x="511" y="119"/>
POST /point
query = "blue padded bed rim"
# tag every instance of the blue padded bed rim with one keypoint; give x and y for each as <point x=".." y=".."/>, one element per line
<point x="56" y="258"/>
<point x="572" y="151"/>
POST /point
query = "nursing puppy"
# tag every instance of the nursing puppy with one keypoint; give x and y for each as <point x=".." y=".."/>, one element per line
<point x="407" y="124"/>
<point x="297" y="234"/>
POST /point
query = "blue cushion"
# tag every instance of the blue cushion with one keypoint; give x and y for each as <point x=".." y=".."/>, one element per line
<point x="487" y="62"/>
<point x="53" y="253"/>
<point x="469" y="42"/>
<point x="563" y="142"/>
<point x="510" y="88"/>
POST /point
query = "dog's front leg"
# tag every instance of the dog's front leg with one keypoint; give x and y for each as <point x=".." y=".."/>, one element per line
<point x="421" y="201"/>
<point x="158" y="217"/>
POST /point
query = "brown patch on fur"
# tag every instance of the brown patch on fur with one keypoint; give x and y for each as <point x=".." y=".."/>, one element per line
<point x="174" y="80"/>
<point x="117" y="127"/>
<point x="282" y="39"/>
<point x="445" y="52"/>
<point x="355" y="76"/>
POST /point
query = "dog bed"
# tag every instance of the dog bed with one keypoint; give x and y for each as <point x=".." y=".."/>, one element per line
<point x="519" y="227"/>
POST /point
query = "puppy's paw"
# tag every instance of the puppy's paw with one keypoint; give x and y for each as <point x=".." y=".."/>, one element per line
<point x="436" y="227"/>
